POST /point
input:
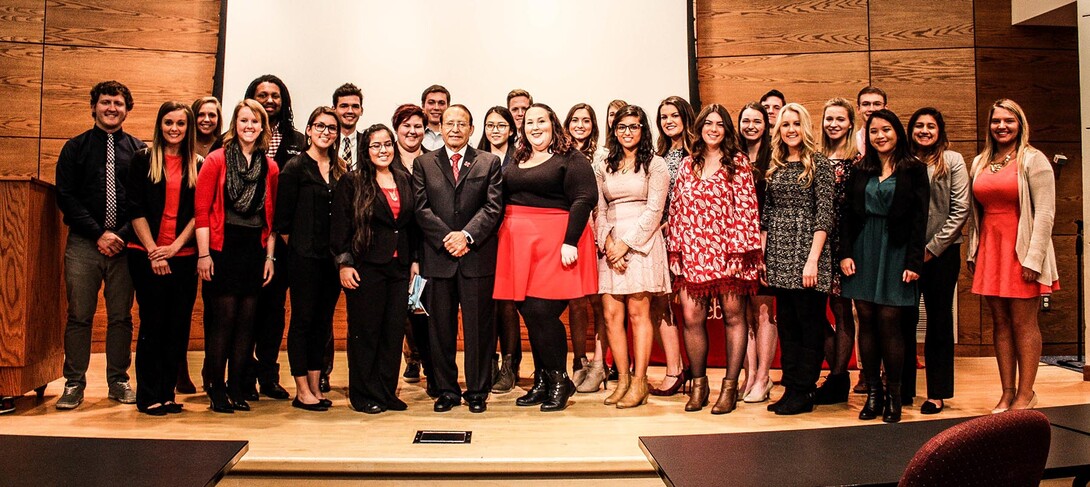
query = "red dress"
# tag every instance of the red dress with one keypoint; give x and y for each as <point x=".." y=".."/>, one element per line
<point x="998" y="271"/>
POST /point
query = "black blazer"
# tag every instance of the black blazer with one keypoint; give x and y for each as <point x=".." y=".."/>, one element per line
<point x="147" y="199"/>
<point x="907" y="219"/>
<point x="473" y="204"/>
<point x="290" y="146"/>
<point x="303" y="203"/>
<point x="387" y="233"/>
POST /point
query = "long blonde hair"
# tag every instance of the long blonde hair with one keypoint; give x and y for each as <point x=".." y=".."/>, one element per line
<point x="847" y="143"/>
<point x="991" y="147"/>
<point x="809" y="147"/>
<point x="156" y="167"/>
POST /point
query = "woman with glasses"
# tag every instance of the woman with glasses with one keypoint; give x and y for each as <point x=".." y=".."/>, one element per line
<point x="302" y="220"/>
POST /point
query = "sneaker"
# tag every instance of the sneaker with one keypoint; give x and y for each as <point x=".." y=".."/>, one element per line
<point x="412" y="372"/>
<point x="122" y="392"/>
<point x="71" y="398"/>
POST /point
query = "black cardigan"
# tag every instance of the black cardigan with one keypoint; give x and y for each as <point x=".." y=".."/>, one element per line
<point x="147" y="199"/>
<point x="387" y="234"/>
<point x="303" y="207"/>
<point x="907" y="219"/>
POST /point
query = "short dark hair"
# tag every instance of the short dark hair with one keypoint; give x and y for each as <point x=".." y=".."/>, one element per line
<point x="111" y="88"/>
<point x="434" y="89"/>
<point x="347" y="89"/>
<point x="872" y="90"/>
<point x="463" y="107"/>
<point x="774" y="93"/>
<point x="517" y="92"/>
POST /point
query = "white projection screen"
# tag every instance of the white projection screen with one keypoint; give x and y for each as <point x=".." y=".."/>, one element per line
<point x="562" y="51"/>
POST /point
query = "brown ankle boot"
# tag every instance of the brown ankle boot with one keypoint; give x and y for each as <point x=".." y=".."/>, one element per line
<point x="698" y="396"/>
<point x="728" y="396"/>
<point x="623" y="381"/>
<point x="636" y="395"/>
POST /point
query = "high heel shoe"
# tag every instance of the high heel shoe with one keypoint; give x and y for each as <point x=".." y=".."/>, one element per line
<point x="998" y="409"/>
<point x="873" y="407"/>
<point x="728" y="397"/>
<point x="624" y="381"/>
<point x="698" y="394"/>
<point x="759" y="393"/>
<point x="636" y="395"/>
<point x="595" y="379"/>
<point x="537" y="394"/>
<point x="679" y="385"/>
<point x="580" y="374"/>
<point x="218" y="401"/>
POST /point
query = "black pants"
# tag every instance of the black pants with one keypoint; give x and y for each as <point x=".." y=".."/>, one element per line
<point x="938" y="279"/>
<point x="376" y="326"/>
<point x="419" y="344"/>
<point x="548" y="338"/>
<point x="269" y="323"/>
<point x="315" y="287"/>
<point x="474" y="295"/>
<point x="801" y="320"/>
<point x="166" y="311"/>
<point x="228" y="335"/>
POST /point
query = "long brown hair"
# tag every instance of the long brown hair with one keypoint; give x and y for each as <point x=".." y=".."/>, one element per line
<point x="589" y="145"/>
<point x="644" y="149"/>
<point x="337" y="166"/>
<point x="157" y="166"/>
<point x="728" y="147"/>
<point x="561" y="143"/>
<point x="367" y="189"/>
<point x="688" y="131"/>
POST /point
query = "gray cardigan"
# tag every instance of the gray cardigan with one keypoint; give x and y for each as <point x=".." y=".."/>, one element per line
<point x="949" y="207"/>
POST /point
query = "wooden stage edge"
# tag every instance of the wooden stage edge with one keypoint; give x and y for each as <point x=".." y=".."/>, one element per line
<point x="588" y="440"/>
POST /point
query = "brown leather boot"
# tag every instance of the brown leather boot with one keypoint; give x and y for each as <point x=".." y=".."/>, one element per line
<point x="698" y="396"/>
<point x="636" y="395"/>
<point x="728" y="396"/>
<point x="623" y="381"/>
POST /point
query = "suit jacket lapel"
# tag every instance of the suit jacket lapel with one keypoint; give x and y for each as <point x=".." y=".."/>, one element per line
<point x="467" y="165"/>
<point x="444" y="164"/>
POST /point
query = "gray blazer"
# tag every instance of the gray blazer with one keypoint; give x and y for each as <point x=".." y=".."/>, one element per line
<point x="949" y="207"/>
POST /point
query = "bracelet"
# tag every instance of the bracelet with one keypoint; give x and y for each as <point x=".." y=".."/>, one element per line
<point x="269" y="257"/>
<point x="203" y="256"/>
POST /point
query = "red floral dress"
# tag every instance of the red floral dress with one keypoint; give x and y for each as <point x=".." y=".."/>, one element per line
<point x="714" y="244"/>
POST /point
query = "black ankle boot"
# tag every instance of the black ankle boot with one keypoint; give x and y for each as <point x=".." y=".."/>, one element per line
<point x="537" y="394"/>
<point x="560" y="388"/>
<point x="892" y="411"/>
<point x="874" y="405"/>
<point x="784" y="399"/>
<point x="798" y="403"/>
<point x="217" y="399"/>
<point x="834" y="390"/>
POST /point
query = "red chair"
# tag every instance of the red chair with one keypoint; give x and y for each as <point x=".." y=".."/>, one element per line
<point x="1007" y="449"/>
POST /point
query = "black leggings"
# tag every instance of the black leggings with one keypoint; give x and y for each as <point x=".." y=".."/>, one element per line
<point x="166" y="311"/>
<point x="881" y="343"/>
<point x="314" y="292"/>
<point x="938" y="280"/>
<point x="548" y="338"/>
<point x="228" y="336"/>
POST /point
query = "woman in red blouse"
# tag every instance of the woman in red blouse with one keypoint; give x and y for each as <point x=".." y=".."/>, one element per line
<point x="714" y="249"/>
<point x="163" y="260"/>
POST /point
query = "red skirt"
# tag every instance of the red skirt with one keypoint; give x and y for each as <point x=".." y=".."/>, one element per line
<point x="528" y="262"/>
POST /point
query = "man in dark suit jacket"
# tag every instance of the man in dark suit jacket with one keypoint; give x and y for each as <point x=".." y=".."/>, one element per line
<point x="458" y="206"/>
<point x="348" y="103"/>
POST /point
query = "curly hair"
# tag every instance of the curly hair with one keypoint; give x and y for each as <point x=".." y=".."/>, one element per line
<point x="644" y="148"/>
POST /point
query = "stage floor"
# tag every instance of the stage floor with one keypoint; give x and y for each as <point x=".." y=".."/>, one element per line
<point x="588" y="441"/>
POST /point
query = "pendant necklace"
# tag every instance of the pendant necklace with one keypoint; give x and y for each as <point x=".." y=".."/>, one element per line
<point x="998" y="166"/>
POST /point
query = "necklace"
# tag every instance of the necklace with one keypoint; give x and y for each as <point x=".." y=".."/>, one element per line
<point x="995" y="167"/>
<point x="391" y="192"/>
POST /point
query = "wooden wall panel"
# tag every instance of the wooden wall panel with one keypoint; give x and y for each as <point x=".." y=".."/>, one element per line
<point x="15" y="286"/>
<point x="810" y="79"/>
<point x="154" y="77"/>
<point x="1058" y="325"/>
<point x="18" y="156"/>
<point x="994" y="29"/>
<point x="896" y="24"/>
<point x="22" y="20"/>
<point x="20" y="88"/>
<point x="745" y="27"/>
<point x="47" y="160"/>
<point x="943" y="78"/>
<point x="1044" y="82"/>
<point x="190" y="26"/>
<point x="1068" y="185"/>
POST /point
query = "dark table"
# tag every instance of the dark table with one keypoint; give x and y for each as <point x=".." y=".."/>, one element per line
<point x="875" y="454"/>
<point x="50" y="460"/>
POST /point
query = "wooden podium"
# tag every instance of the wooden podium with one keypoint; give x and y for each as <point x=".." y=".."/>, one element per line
<point x="32" y="298"/>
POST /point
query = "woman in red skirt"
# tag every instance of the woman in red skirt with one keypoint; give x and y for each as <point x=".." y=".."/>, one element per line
<point x="546" y="248"/>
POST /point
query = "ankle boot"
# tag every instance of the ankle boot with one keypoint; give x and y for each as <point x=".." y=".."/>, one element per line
<point x="636" y="395"/>
<point x="506" y="378"/>
<point x="623" y="382"/>
<point x="560" y="388"/>
<point x="834" y="390"/>
<point x="875" y="397"/>
<point x="580" y="374"/>
<point x="595" y="378"/>
<point x="698" y="396"/>
<point x="495" y="367"/>
<point x="728" y="397"/>
<point x="537" y="394"/>
<point x="892" y="410"/>
<point x="218" y="401"/>
<point x="784" y="399"/>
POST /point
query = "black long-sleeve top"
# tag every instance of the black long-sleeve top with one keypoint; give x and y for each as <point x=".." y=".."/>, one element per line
<point x="907" y="219"/>
<point x="388" y="234"/>
<point x="304" y="204"/>
<point x="148" y="200"/>
<point x="81" y="182"/>
<point x="564" y="182"/>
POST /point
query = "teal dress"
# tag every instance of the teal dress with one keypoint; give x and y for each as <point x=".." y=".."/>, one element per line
<point x="879" y="267"/>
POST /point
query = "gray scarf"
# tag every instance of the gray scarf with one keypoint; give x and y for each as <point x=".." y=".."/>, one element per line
<point x="245" y="185"/>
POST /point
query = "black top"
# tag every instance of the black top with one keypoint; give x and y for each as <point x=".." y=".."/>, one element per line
<point x="81" y="182"/>
<point x="907" y="219"/>
<point x="290" y="146"/>
<point x="387" y="234"/>
<point x="303" y="205"/>
<point x="564" y="182"/>
<point x="147" y="199"/>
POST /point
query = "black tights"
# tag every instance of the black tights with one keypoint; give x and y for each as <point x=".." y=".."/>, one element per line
<point x="695" y="313"/>
<point x="548" y="338"/>
<point x="228" y="336"/>
<point x="840" y="342"/>
<point x="881" y="343"/>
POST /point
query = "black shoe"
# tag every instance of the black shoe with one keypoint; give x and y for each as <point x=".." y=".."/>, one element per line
<point x="274" y="391"/>
<point x="325" y="402"/>
<point x="323" y="383"/>
<point x="412" y="372"/>
<point x="7" y="404"/>
<point x="477" y="405"/>
<point x="929" y="407"/>
<point x="612" y="372"/>
<point x="787" y="393"/>
<point x="371" y="408"/>
<point x="834" y="390"/>
<point x="159" y="410"/>
<point x="432" y="390"/>
<point x="907" y="400"/>
<point x="296" y="403"/>
<point x="249" y="391"/>
<point x="873" y="407"/>
<point x="798" y="403"/>
<point x="560" y="388"/>
<point x="173" y="408"/>
<point x="238" y="403"/>
<point x="537" y="394"/>
<point x="395" y="404"/>
<point x="892" y="411"/>
<point x="218" y="401"/>
<point x="185" y="385"/>
<point x="446" y="403"/>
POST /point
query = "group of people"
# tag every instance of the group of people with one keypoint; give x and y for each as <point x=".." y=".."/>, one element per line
<point x="768" y="215"/>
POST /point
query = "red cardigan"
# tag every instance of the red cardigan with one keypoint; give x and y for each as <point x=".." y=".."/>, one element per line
<point x="209" y="198"/>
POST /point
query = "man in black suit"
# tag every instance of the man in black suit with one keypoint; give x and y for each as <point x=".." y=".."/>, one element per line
<point x="458" y="206"/>
<point x="348" y="103"/>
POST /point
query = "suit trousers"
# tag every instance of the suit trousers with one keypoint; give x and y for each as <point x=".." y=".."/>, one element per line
<point x="801" y="321"/>
<point x="442" y="299"/>
<point x="315" y="288"/>
<point x="377" y="310"/>
<point x="85" y="270"/>
<point x="938" y="280"/>
<point x="166" y="312"/>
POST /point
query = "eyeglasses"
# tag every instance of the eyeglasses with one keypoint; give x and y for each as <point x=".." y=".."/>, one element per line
<point x="320" y="127"/>
<point x="629" y="128"/>
<point x="451" y="124"/>
<point x="495" y="126"/>
<point x="388" y="145"/>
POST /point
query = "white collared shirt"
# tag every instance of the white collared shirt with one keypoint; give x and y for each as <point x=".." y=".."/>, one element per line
<point x="432" y="139"/>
